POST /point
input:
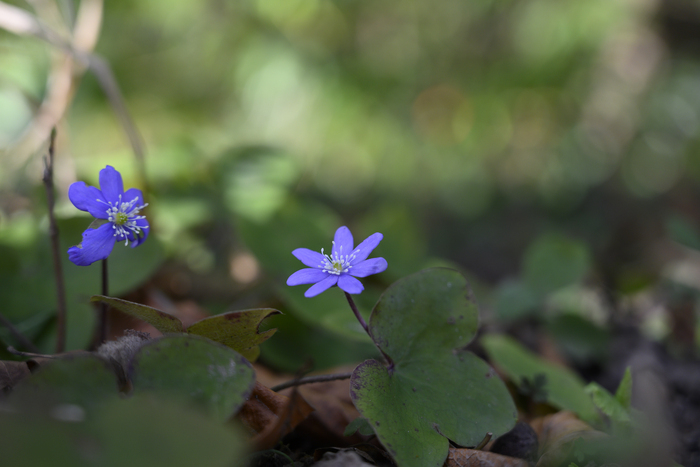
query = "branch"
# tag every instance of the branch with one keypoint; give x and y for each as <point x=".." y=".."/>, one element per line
<point x="18" y="335"/>
<point x="55" y="247"/>
<point x="21" y="22"/>
<point x="311" y="379"/>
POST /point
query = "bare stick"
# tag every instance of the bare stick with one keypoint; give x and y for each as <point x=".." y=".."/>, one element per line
<point x="21" y="22"/>
<point x="18" y="335"/>
<point x="19" y="353"/>
<point x="311" y="379"/>
<point x="102" y="325"/>
<point x="53" y="237"/>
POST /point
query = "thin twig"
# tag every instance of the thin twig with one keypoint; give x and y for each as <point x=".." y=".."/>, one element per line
<point x="21" y="22"/>
<point x="19" y="353"/>
<point x="53" y="237"/>
<point x="311" y="379"/>
<point x="102" y="324"/>
<point x="18" y="335"/>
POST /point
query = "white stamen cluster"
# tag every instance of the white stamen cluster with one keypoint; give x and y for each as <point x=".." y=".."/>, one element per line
<point x="338" y="263"/>
<point x="123" y="216"/>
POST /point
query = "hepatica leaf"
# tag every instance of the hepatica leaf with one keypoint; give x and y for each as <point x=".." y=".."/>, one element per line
<point x="158" y="319"/>
<point x="196" y="369"/>
<point x="82" y="380"/>
<point x="436" y="391"/>
<point x="237" y="329"/>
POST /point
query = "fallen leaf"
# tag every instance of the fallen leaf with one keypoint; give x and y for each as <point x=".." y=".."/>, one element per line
<point x="163" y="322"/>
<point x="269" y="415"/>
<point x="474" y="458"/>
<point x="11" y="373"/>
<point x="558" y="434"/>
<point x="237" y="329"/>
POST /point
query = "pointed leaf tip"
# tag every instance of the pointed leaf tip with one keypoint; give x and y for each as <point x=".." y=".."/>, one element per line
<point x="160" y="320"/>
<point x="238" y="330"/>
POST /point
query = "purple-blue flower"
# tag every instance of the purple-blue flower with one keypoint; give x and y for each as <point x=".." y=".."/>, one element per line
<point x="340" y="266"/>
<point x="119" y="211"/>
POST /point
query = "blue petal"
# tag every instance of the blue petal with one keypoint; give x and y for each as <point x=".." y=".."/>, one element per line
<point x="307" y="276"/>
<point x="350" y="284"/>
<point x="111" y="184"/>
<point x="132" y="193"/>
<point x="97" y="244"/>
<point x="343" y="238"/>
<point x="369" y="267"/>
<point x="365" y="248"/>
<point x="312" y="259"/>
<point x="85" y="198"/>
<point x="322" y="286"/>
<point x="135" y="241"/>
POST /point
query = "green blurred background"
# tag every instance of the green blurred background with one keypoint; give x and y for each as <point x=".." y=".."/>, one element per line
<point x="549" y="149"/>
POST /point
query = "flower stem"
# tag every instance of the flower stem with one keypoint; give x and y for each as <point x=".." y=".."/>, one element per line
<point x="53" y="235"/>
<point x="357" y="313"/>
<point x="366" y="328"/>
<point x="102" y="321"/>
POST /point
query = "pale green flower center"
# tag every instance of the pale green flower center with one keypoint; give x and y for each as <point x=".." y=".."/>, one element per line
<point x="121" y="218"/>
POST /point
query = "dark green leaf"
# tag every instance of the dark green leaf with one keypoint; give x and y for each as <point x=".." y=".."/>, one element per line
<point x="194" y="368"/>
<point x="564" y="388"/>
<point x="435" y="390"/>
<point x="361" y="425"/>
<point x="82" y="379"/>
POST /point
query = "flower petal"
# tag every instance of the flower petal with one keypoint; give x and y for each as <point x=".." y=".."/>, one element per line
<point x="97" y="244"/>
<point x="307" y="276"/>
<point x="350" y="284"/>
<point x="369" y="267"/>
<point x="85" y="198"/>
<point x="312" y="259"/>
<point x="365" y="248"/>
<point x="322" y="286"/>
<point x="134" y="240"/>
<point x="343" y="238"/>
<point x="132" y="193"/>
<point x="111" y="184"/>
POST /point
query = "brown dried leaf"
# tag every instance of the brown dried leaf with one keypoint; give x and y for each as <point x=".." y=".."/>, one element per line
<point x="474" y="458"/>
<point x="334" y="411"/>
<point x="557" y="434"/>
<point x="12" y="373"/>
<point x="270" y="416"/>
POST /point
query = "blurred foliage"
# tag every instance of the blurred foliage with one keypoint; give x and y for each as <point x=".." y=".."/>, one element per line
<point x="545" y="147"/>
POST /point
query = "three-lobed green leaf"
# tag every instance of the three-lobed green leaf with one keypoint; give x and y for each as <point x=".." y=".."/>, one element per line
<point x="436" y="390"/>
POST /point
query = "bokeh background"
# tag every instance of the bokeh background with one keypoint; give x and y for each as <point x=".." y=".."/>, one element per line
<point x="548" y="149"/>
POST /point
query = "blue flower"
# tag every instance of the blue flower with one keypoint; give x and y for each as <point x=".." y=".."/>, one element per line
<point x="340" y="266"/>
<point x="117" y="211"/>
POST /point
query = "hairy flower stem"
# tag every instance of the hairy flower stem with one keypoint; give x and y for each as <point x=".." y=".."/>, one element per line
<point x="357" y="313"/>
<point x="53" y="236"/>
<point x="102" y="321"/>
<point x="359" y="317"/>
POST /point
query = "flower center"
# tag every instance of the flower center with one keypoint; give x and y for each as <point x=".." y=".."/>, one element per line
<point x="338" y="263"/>
<point x="123" y="216"/>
